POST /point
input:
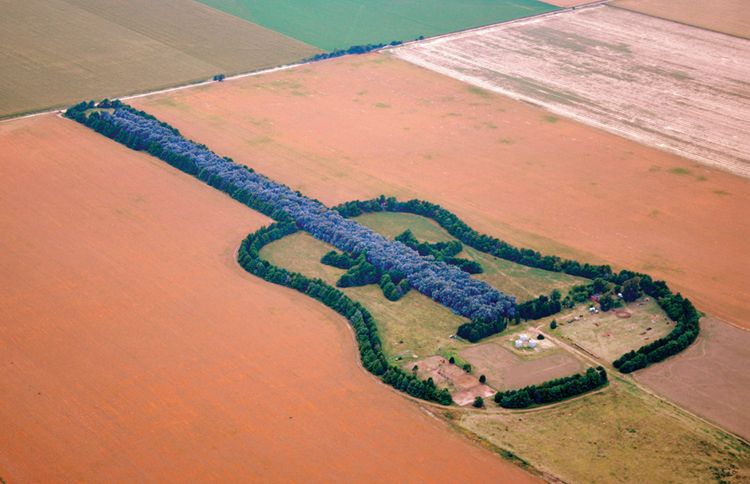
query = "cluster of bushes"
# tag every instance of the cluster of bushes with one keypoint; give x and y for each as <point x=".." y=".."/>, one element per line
<point x="553" y="390"/>
<point x="540" y="307"/>
<point x="360" y="273"/>
<point x="446" y="284"/>
<point x="366" y="331"/>
<point x="442" y="251"/>
<point x="605" y="282"/>
<point x="355" y="49"/>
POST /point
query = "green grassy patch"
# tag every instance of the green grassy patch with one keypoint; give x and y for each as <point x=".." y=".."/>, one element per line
<point x="620" y="434"/>
<point x="679" y="171"/>
<point x="332" y="24"/>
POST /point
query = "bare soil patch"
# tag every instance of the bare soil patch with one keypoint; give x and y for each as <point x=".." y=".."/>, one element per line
<point x="505" y="370"/>
<point x="133" y="346"/>
<point x="709" y="378"/>
<point x="464" y="387"/>
<point x="561" y="187"/>
<point x="664" y="84"/>
<point x="728" y="16"/>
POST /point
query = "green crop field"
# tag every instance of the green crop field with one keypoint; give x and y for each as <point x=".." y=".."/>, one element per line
<point x="57" y="52"/>
<point x="332" y="24"/>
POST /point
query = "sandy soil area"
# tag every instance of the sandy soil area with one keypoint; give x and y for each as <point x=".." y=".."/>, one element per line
<point x="710" y="378"/>
<point x="361" y="126"/>
<point x="729" y="16"/>
<point x="464" y="387"/>
<point x="664" y="84"/>
<point x="133" y="347"/>
<point x="567" y="3"/>
<point x="504" y="370"/>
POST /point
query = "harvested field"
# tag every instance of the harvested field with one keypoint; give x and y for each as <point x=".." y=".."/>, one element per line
<point x="727" y="16"/>
<point x="134" y="347"/>
<point x="361" y="126"/>
<point x="664" y="84"/>
<point x="609" y="335"/>
<point x="710" y="378"/>
<point x="505" y="370"/>
<point x="339" y="24"/>
<point x="618" y="435"/>
<point x="57" y="52"/>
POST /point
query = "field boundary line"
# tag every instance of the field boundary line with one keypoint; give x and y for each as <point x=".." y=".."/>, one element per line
<point x="270" y="70"/>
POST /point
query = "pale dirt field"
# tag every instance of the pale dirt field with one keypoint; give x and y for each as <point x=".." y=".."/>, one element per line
<point x="505" y="370"/>
<point x="132" y="345"/>
<point x="728" y="16"/>
<point x="709" y="378"/>
<point x="567" y="3"/>
<point x="361" y="126"/>
<point x="664" y="84"/>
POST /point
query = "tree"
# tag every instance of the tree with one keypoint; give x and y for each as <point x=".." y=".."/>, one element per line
<point x="606" y="302"/>
<point x="482" y="378"/>
<point x="467" y="368"/>
<point x="478" y="402"/>
<point x="452" y="360"/>
<point x="631" y="289"/>
<point x="553" y="324"/>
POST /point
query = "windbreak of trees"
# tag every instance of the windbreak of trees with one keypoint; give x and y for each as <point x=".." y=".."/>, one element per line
<point x="361" y="273"/>
<point x="630" y="284"/>
<point x="446" y="284"/>
<point x="553" y="390"/>
<point x="365" y="329"/>
<point x="355" y="49"/>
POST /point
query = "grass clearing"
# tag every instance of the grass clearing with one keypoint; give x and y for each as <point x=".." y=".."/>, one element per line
<point x="607" y="335"/>
<point x="411" y="328"/>
<point x="620" y="434"/>
<point x="56" y="52"/>
<point x="523" y="282"/>
<point x="332" y="24"/>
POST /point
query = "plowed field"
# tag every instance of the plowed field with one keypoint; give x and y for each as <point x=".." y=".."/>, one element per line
<point x="133" y="348"/>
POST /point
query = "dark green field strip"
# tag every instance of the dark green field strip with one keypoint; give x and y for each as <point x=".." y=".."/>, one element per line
<point x="54" y="52"/>
<point x="332" y="24"/>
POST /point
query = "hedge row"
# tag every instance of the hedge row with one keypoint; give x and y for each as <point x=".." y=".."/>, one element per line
<point x="368" y="339"/>
<point x="553" y="390"/>
<point x="678" y="309"/>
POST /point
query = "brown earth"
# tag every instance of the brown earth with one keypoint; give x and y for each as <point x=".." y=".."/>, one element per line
<point x="357" y="127"/>
<point x="505" y="370"/>
<point x="727" y="16"/>
<point x="464" y="387"/>
<point x="663" y="84"/>
<point x="709" y="378"/>
<point x="132" y="345"/>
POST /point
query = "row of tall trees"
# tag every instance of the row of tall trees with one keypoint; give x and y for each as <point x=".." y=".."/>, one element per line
<point x="446" y="284"/>
<point x="605" y="282"/>
<point x="553" y="390"/>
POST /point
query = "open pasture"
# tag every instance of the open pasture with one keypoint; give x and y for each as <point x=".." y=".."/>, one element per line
<point x="727" y="16"/>
<point x="618" y="435"/>
<point x="665" y="84"/>
<point x="339" y="24"/>
<point x="361" y="126"/>
<point x="133" y="346"/>
<point x="505" y="369"/>
<point x="710" y="378"/>
<point x="608" y="335"/>
<point x="57" y="52"/>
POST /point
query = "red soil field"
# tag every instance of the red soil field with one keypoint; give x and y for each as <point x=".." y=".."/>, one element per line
<point x="357" y="127"/>
<point x="134" y="348"/>
<point x="727" y="16"/>
<point x="709" y="378"/>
